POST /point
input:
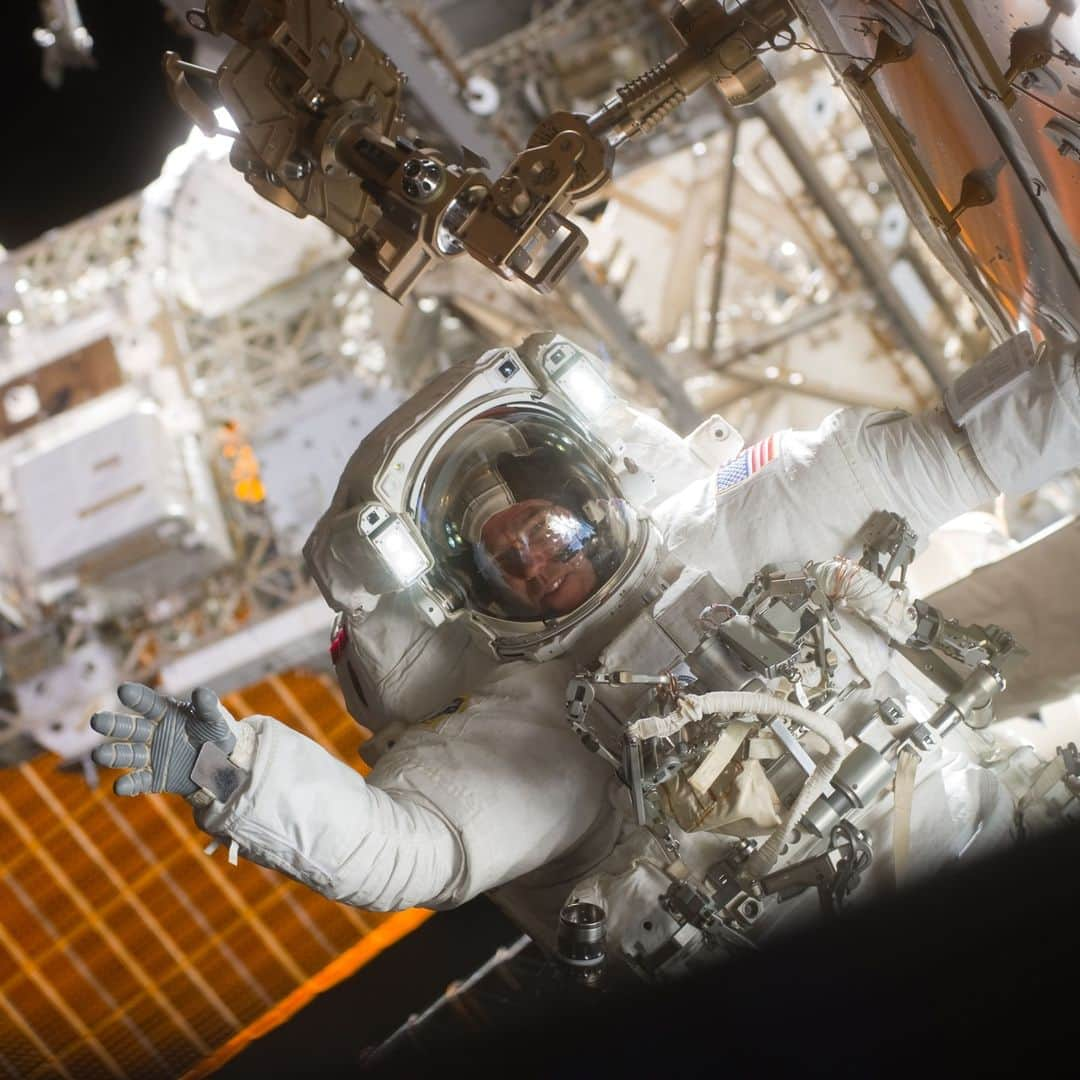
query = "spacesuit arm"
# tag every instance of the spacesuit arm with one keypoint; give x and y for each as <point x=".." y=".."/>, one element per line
<point x="486" y="795"/>
<point x="1010" y="438"/>
<point x="1031" y="432"/>
<point x="307" y="814"/>
<point x="815" y="495"/>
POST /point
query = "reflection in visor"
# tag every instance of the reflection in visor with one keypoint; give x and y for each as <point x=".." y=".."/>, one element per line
<point x="524" y="517"/>
<point x="537" y="555"/>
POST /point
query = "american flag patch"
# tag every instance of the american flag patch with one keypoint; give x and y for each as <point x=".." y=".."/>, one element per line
<point x="749" y="461"/>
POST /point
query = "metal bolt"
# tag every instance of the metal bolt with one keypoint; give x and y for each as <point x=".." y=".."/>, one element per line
<point x="891" y="711"/>
<point x="750" y="909"/>
<point x="296" y="168"/>
<point x="923" y="737"/>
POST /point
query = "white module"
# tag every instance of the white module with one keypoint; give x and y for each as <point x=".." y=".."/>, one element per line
<point x="55" y="704"/>
<point x="305" y="445"/>
<point x="297" y="637"/>
<point x="128" y="505"/>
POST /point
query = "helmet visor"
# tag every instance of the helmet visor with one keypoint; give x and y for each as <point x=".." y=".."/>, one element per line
<point x="524" y="516"/>
<point x="535" y="555"/>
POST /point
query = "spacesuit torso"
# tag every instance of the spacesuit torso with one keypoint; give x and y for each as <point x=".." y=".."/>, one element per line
<point x="503" y="726"/>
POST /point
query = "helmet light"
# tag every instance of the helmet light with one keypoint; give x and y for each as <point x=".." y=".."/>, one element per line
<point x="578" y="379"/>
<point x="403" y="554"/>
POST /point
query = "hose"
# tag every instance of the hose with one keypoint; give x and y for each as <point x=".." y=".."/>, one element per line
<point x="737" y="703"/>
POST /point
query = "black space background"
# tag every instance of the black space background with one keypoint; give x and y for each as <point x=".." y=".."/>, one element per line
<point x="102" y="135"/>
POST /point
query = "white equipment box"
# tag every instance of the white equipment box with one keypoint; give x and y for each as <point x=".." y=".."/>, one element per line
<point x="304" y="446"/>
<point x="128" y="505"/>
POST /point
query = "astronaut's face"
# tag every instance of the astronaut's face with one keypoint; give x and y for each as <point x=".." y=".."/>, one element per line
<point x="537" y="548"/>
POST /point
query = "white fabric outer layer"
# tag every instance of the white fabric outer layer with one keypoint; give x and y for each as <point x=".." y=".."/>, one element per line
<point x="811" y="502"/>
<point x="1035" y="594"/>
<point x="502" y="788"/>
<point x="1041" y="416"/>
<point x="877" y="601"/>
<point x="386" y="854"/>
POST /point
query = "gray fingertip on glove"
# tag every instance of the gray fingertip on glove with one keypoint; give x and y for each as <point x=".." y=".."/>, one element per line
<point x="162" y="743"/>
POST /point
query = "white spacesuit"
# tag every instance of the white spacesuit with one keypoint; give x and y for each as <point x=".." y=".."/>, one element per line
<point x="516" y="527"/>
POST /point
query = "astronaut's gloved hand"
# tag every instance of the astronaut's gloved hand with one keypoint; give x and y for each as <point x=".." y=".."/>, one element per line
<point x="170" y="745"/>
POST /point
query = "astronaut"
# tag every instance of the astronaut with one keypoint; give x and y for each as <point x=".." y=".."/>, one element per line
<point x="515" y="531"/>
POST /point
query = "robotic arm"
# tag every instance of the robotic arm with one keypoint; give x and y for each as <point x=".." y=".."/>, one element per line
<point x="318" y="108"/>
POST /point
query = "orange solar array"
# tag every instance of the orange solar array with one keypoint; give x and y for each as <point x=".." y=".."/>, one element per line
<point x="126" y="951"/>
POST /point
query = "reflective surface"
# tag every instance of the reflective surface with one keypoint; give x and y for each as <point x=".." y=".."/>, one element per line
<point x="536" y="554"/>
<point x="523" y="516"/>
<point x="973" y="98"/>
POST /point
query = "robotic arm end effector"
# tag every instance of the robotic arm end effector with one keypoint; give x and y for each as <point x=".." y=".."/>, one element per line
<point x="322" y="132"/>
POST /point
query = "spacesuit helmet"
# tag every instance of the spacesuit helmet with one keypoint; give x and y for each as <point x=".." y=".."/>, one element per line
<point x="524" y="517"/>
<point x="510" y="497"/>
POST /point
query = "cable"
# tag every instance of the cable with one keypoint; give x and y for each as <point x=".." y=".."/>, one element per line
<point x="788" y="41"/>
<point x="1068" y="58"/>
<point x="928" y="25"/>
<point x="1046" y="104"/>
<point x="1065" y="57"/>
<point x="808" y="47"/>
<point x="793" y="43"/>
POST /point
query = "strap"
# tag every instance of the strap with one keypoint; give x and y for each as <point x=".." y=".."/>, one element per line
<point x="907" y="763"/>
<point x="1048" y="778"/>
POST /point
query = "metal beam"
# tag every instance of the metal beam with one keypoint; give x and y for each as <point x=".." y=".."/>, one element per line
<point x="808" y="318"/>
<point x="716" y="298"/>
<point x="393" y="33"/>
<point x="596" y="304"/>
<point x="750" y="376"/>
<point x="870" y="266"/>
